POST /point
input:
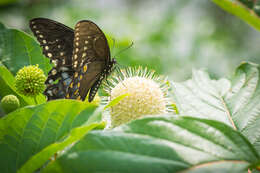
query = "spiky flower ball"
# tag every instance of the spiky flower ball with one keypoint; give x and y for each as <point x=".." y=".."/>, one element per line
<point x="146" y="95"/>
<point x="29" y="81"/>
<point x="10" y="103"/>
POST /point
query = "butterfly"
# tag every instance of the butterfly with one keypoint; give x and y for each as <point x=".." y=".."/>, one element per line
<point x="81" y="58"/>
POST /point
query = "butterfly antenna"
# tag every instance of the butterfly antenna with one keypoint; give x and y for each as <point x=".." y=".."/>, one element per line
<point x="124" y="49"/>
<point x="114" y="43"/>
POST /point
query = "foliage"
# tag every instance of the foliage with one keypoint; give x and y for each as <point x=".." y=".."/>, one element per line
<point x="234" y="103"/>
<point x="159" y="144"/>
<point x="33" y="134"/>
<point x="18" y="49"/>
<point x="248" y="10"/>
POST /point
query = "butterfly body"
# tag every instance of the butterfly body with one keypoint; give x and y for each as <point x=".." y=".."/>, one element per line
<point x="81" y="58"/>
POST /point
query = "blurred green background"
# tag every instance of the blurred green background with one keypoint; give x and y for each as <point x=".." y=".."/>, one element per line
<point x="170" y="36"/>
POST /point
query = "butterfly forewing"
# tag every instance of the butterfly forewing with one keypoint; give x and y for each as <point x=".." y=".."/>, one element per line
<point x="55" y="38"/>
<point x="90" y="58"/>
<point x="56" y="41"/>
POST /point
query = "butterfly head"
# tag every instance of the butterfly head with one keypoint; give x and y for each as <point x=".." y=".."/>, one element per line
<point x="113" y="62"/>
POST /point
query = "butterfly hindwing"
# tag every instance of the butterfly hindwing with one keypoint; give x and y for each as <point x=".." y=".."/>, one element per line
<point x="83" y="80"/>
<point x="56" y="41"/>
<point x="90" y="44"/>
<point x="90" y="58"/>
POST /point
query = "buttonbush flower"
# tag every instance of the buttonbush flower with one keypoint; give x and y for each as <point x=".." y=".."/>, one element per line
<point x="10" y="103"/>
<point x="146" y="94"/>
<point x="29" y="81"/>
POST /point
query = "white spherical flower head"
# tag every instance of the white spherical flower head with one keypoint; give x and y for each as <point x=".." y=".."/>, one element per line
<point x="146" y="95"/>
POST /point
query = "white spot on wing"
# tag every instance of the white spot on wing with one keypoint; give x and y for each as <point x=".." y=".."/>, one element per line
<point x="75" y="64"/>
<point x="54" y="71"/>
<point x="49" y="92"/>
<point x="65" y="75"/>
<point x="54" y="62"/>
<point x="49" y="55"/>
<point x="64" y="69"/>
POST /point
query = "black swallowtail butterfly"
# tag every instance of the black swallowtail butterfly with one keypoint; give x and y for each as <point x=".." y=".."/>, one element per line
<point x="81" y="58"/>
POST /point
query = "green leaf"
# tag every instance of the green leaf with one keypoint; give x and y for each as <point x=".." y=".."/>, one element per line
<point x="40" y="158"/>
<point x="18" y="49"/>
<point x="202" y="97"/>
<point x="243" y="101"/>
<point x="116" y="100"/>
<point x="159" y="144"/>
<point x="242" y="10"/>
<point x="28" y="131"/>
<point x="236" y="103"/>
<point x="7" y="81"/>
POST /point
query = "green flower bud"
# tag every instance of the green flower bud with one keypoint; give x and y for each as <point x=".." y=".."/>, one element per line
<point x="29" y="81"/>
<point x="146" y="95"/>
<point x="10" y="103"/>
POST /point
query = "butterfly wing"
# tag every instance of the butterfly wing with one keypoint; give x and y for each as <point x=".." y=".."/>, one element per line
<point x="56" y="41"/>
<point x="90" y="57"/>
